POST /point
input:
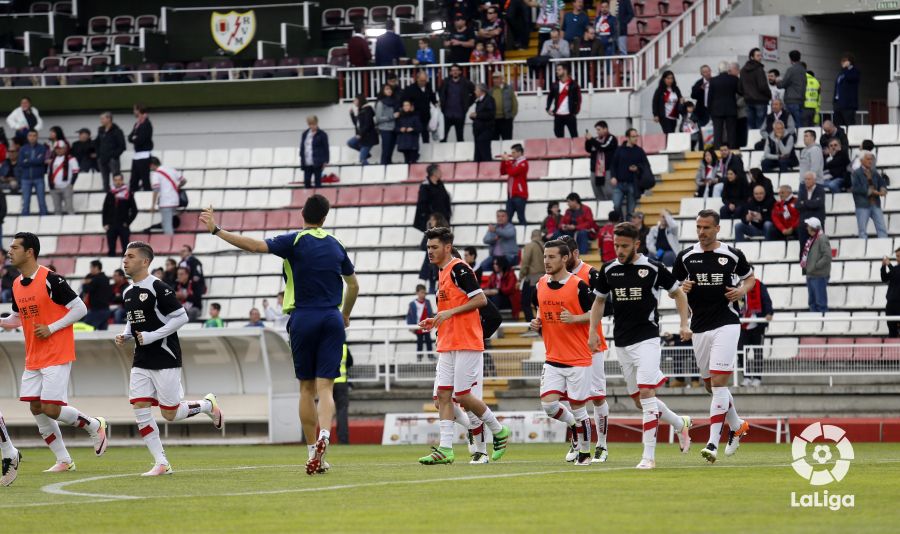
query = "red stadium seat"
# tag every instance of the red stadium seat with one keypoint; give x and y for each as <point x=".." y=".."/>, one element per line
<point x="466" y="171"/>
<point x="558" y="148"/>
<point x="817" y="353"/>
<point x="536" y="148"/>
<point x="233" y="220"/>
<point x="162" y="244"/>
<point x="255" y="220"/>
<point x="277" y="220"/>
<point x="578" y="150"/>
<point x="299" y="196"/>
<point x="347" y="196"/>
<point x="650" y="26"/>
<point x="838" y="353"/>
<point x="371" y="196"/>
<point x="64" y="266"/>
<point x="417" y="171"/>
<point x="869" y="348"/>
<point x="412" y="194"/>
<point x="537" y="169"/>
<point x="67" y="245"/>
<point x="394" y="194"/>
<point x="653" y="143"/>
<point x="295" y="220"/>
<point x="92" y="244"/>
<point x="489" y="170"/>
<point x="180" y="240"/>
<point x="892" y="353"/>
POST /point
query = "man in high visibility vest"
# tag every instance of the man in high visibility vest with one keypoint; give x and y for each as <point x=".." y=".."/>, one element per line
<point x="812" y="101"/>
<point x="341" y="393"/>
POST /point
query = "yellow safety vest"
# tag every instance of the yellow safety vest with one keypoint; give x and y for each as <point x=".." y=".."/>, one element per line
<point x="82" y="327"/>
<point x="813" y="95"/>
<point x="343" y="377"/>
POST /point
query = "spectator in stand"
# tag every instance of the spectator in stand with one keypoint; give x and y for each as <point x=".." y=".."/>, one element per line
<point x="459" y="42"/>
<point x="722" y="97"/>
<point x="606" y="29"/>
<point x="550" y="227"/>
<point x="358" y="51"/>
<point x="866" y="146"/>
<point x="741" y="125"/>
<point x="119" y="285"/>
<point x="514" y="169"/>
<point x="700" y="94"/>
<point x="214" y="320"/>
<point x="556" y="47"/>
<point x="507" y="105"/>
<point x="119" y="211"/>
<point x="734" y="195"/>
<point x="756" y="304"/>
<point x="810" y="204"/>
<point x="586" y="45"/>
<point x="433" y="198"/>
<point x="424" y="54"/>
<point x="829" y="132"/>
<point x="728" y="160"/>
<point x="428" y="271"/>
<point x="97" y="295"/>
<point x="85" y="151"/>
<point x="777" y="94"/>
<point x="518" y="16"/>
<point x="188" y="294"/>
<point x="110" y="145"/>
<point x="628" y="164"/>
<point x="564" y="102"/>
<point x="422" y="98"/>
<point x="503" y="287"/>
<point x="846" y="91"/>
<point x="409" y="127"/>
<point x="549" y="18"/>
<point x="24" y="119"/>
<point x="794" y="85"/>
<point x="255" y="319"/>
<point x="31" y="169"/>
<point x="61" y="177"/>
<point x="707" y="177"/>
<point x="419" y="310"/>
<point x="454" y="9"/>
<point x="667" y="101"/>
<point x="483" y="123"/>
<point x="314" y="153"/>
<point x="815" y="260"/>
<point x="779" y="152"/>
<point x="386" y="111"/>
<point x="575" y="21"/>
<point x="624" y="14"/>
<point x="606" y="237"/>
<point x="811" y="158"/>
<point x="754" y="85"/>
<point x="170" y="274"/>
<point x="470" y="256"/>
<point x="531" y="270"/>
<point x="3" y="211"/>
<point x="868" y="187"/>
<point x="579" y="223"/>
<point x="637" y="219"/>
<point x="389" y="47"/>
<point x="757" y="220"/>
<point x="159" y="273"/>
<point x="456" y="94"/>
<point x="141" y="137"/>
<point x="836" y="172"/>
<point x="478" y="54"/>
<point x="492" y="53"/>
<point x="9" y="168"/>
<point x="891" y="275"/>
<point x="166" y="183"/>
<point x="662" y="239"/>
<point x="690" y="124"/>
<point x="757" y="178"/>
<point x="53" y="135"/>
<point x="777" y="114"/>
<point x="193" y="265"/>
<point x="8" y="275"/>
<point x="492" y="28"/>
<point x="812" y="103"/>
<point x="275" y="313"/>
<point x="501" y="240"/>
<point x="601" y="149"/>
<point x="362" y="115"/>
<point x="785" y="217"/>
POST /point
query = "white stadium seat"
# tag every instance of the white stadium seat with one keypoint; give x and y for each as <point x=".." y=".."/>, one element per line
<point x="559" y="168"/>
<point x="373" y="174"/>
<point x="173" y="158"/>
<point x="464" y="152"/>
<point x="261" y="157"/>
<point x="286" y="156"/>
<point x="858" y="133"/>
<point x="885" y="134"/>
<point x="443" y="152"/>
<point x="678" y="142"/>
<point x="194" y="159"/>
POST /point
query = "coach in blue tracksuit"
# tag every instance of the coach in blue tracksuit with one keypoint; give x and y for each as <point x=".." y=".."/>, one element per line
<point x="316" y="266"/>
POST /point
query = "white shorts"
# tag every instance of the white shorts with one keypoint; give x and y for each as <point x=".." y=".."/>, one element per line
<point x="477" y="387"/>
<point x="716" y="350"/>
<point x="572" y="383"/>
<point x="459" y="370"/>
<point x="49" y="385"/>
<point x="160" y="387"/>
<point x="598" y="376"/>
<point x="640" y="365"/>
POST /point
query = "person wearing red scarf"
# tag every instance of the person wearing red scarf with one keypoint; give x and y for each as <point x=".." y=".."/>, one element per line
<point x="564" y="102"/>
<point x="667" y="102"/>
<point x="119" y="211"/>
<point x="503" y="288"/>
<point x="815" y="260"/>
<point x="757" y="303"/>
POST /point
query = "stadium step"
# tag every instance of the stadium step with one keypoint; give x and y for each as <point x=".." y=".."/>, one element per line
<point x="671" y="184"/>
<point x="512" y="342"/>
<point x="686" y="165"/>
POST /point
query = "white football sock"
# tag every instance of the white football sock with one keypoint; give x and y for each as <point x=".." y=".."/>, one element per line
<point x="557" y="411"/>
<point x="6" y="447"/>
<point x="311" y="449"/>
<point x="651" y="425"/>
<point x="49" y="430"/>
<point x="148" y="430"/>
<point x="601" y="418"/>
<point x="718" y="407"/>
<point x="325" y="434"/>
<point x="191" y="408"/>
<point x="583" y="428"/>
<point x="490" y="420"/>
<point x="477" y="429"/>
<point x="731" y="416"/>
<point x="72" y="417"/>
<point x="446" y="426"/>
<point x="460" y="416"/>
<point x="668" y="416"/>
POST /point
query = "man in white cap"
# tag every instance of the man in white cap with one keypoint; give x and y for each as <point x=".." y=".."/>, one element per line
<point x="815" y="260"/>
<point x="63" y="171"/>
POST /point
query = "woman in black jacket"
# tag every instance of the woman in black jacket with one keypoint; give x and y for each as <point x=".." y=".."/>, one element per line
<point x="433" y="198"/>
<point x="119" y="211"/>
<point x="735" y="194"/>
<point x="141" y="137"/>
<point x="667" y="103"/>
<point x="363" y="117"/>
<point x="409" y="126"/>
<point x="601" y="148"/>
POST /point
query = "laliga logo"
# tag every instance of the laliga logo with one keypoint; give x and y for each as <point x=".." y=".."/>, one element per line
<point x="818" y="473"/>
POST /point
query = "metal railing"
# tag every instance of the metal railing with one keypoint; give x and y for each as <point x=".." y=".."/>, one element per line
<point x="895" y="59"/>
<point x="385" y="364"/>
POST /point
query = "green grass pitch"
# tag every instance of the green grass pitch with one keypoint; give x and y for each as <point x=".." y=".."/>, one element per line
<point x="383" y="489"/>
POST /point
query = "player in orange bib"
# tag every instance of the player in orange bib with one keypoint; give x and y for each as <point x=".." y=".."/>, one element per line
<point x="564" y="301"/>
<point x="45" y="307"/>
<point x="588" y="275"/>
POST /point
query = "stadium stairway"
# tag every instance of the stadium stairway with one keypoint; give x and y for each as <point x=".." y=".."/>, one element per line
<point x="675" y="185"/>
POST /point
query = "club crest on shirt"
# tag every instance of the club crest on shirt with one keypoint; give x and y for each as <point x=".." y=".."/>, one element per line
<point x="643" y="273"/>
<point x="142" y="297"/>
<point x="723" y="261"/>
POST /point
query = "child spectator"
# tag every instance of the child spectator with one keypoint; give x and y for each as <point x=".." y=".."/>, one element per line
<point x="606" y="237"/>
<point x="492" y="53"/>
<point x="478" y="55"/>
<point x="503" y="287"/>
<point x="690" y="124"/>
<point x="408" y="128"/>
<point x="419" y="310"/>
<point x="550" y="227"/>
<point x="424" y="55"/>
<point x="214" y="320"/>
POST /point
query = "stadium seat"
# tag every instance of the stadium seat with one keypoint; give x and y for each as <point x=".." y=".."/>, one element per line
<point x="464" y="152"/>
<point x="559" y="168"/>
<point x="148" y="22"/>
<point x="489" y="170"/>
<point x="678" y="143"/>
<point x="858" y="133"/>
<point x="491" y="190"/>
<point x="852" y="248"/>
<point x="404" y="11"/>
<point x="261" y="157"/>
<point x="885" y="134"/>
<point x="776" y="273"/>
<point x="750" y="250"/>
<point x="557" y="148"/>
<point x="889" y="156"/>
<point x="396" y="172"/>
<point x="690" y="206"/>
<point x="466" y="171"/>
<point x="537" y="169"/>
<point x="536" y="148"/>
<point x="285" y="156"/>
<point x="877" y="248"/>
<point x="260" y="178"/>
<point x="445" y="152"/>
<point x="373" y="174"/>
<point x="237" y="178"/>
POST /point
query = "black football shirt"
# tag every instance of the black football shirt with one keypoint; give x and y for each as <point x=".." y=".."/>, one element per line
<point x="714" y="273"/>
